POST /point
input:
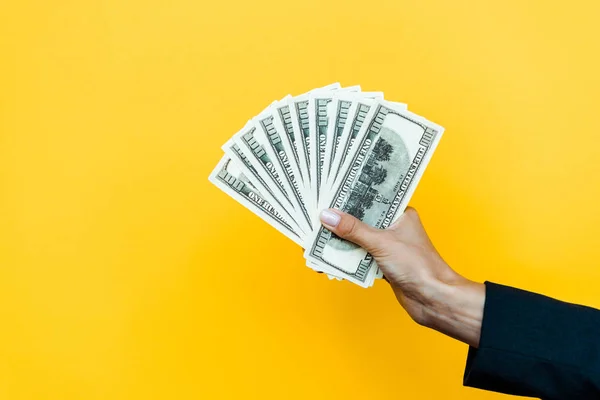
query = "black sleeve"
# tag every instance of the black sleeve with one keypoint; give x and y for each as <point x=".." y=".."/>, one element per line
<point x="532" y="345"/>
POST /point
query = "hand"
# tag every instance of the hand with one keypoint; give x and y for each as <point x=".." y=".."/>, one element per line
<point x="432" y="293"/>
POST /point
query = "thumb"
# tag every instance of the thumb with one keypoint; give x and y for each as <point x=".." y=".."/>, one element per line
<point x="350" y="228"/>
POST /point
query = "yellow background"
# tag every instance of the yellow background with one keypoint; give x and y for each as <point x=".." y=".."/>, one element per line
<point x="125" y="275"/>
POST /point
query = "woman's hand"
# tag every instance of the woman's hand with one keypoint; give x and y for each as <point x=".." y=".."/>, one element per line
<point x="432" y="293"/>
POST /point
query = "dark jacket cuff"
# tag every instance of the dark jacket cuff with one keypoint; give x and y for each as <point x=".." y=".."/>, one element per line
<point x="532" y="345"/>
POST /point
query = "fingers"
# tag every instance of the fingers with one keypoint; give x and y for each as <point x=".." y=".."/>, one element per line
<point x="350" y="228"/>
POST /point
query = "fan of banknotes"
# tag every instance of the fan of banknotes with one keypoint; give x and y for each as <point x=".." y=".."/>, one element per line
<point x="333" y="147"/>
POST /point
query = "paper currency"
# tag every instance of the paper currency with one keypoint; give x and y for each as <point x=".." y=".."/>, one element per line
<point x="269" y="140"/>
<point x="332" y="147"/>
<point x="375" y="184"/>
<point x="318" y="122"/>
<point x="229" y="178"/>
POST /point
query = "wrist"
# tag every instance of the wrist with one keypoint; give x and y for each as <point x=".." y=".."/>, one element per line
<point x="454" y="308"/>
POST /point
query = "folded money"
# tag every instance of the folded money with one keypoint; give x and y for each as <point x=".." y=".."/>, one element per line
<point x="332" y="147"/>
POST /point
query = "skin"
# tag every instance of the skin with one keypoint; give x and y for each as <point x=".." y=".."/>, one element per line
<point x="431" y="292"/>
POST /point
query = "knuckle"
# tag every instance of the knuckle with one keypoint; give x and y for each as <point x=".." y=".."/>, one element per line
<point x="411" y="212"/>
<point x="412" y="215"/>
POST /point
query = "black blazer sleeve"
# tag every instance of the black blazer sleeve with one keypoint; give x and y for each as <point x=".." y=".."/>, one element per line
<point x="532" y="345"/>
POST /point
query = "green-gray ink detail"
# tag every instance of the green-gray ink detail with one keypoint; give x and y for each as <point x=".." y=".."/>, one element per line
<point x="302" y="113"/>
<point x="341" y="116"/>
<point x="260" y="154"/>
<point x="321" y="122"/>
<point x="359" y="117"/>
<point x="274" y="140"/>
<point x="239" y="154"/>
<point x="244" y="188"/>
<point x="375" y="185"/>
<point x="286" y="120"/>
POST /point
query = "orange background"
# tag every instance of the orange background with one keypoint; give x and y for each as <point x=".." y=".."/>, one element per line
<point x="125" y="275"/>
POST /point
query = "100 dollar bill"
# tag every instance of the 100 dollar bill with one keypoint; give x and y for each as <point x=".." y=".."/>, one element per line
<point x="348" y="111"/>
<point x="228" y="177"/>
<point x="375" y="184"/>
<point x="259" y="177"/>
<point x="300" y="114"/>
<point x="319" y="107"/>
<point x="272" y="138"/>
<point x="253" y="142"/>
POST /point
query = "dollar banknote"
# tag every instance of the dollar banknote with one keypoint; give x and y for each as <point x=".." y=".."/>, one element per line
<point x="341" y="132"/>
<point x="318" y="122"/>
<point x="338" y="115"/>
<point x="332" y="147"/>
<point x="254" y="144"/>
<point x="269" y="140"/>
<point x="290" y="137"/>
<point x="376" y="181"/>
<point x="299" y="115"/>
<point x="228" y="176"/>
<point x="359" y="112"/>
<point x="259" y="179"/>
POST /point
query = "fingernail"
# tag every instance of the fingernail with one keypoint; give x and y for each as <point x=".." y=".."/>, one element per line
<point x="330" y="218"/>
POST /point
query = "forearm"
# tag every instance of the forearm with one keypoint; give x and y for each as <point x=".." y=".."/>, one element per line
<point x="455" y="309"/>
